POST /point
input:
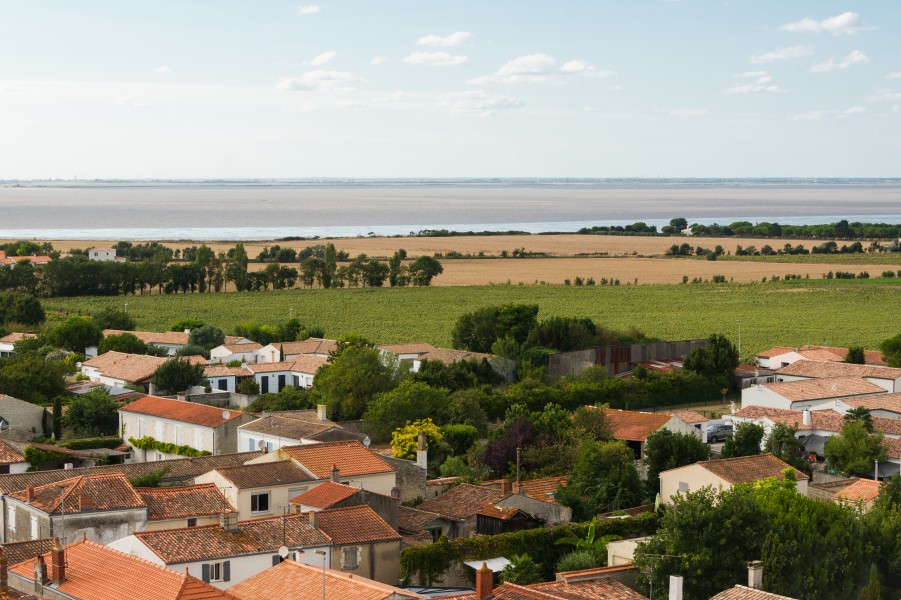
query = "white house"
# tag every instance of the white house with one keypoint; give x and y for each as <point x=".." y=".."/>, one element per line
<point x="886" y="406"/>
<point x="805" y="393"/>
<point x="225" y="379"/>
<point x="292" y="428"/>
<point x="782" y="356"/>
<point x="261" y="490"/>
<point x="724" y="473"/>
<point x="7" y="343"/>
<point x="886" y="377"/>
<point x="170" y="341"/>
<point x="120" y="369"/>
<point x="226" y="353"/>
<point x="407" y="352"/>
<point x="202" y="427"/>
<point x="104" y="254"/>
<point x="314" y="346"/>
<point x="635" y="427"/>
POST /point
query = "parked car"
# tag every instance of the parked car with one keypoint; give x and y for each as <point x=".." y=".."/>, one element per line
<point x="718" y="432"/>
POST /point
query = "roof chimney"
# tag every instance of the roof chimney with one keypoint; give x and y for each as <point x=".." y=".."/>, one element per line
<point x="755" y="575"/>
<point x="506" y="488"/>
<point x="29" y="493"/>
<point x="4" y="575"/>
<point x="40" y="571"/>
<point x="484" y="582"/>
<point x="57" y="562"/>
<point x="336" y="474"/>
<point x="805" y="416"/>
<point x="322" y="412"/>
<point x="675" y="587"/>
<point x="422" y="453"/>
<point x="84" y="502"/>
<point x="188" y="331"/>
<point x="229" y="522"/>
<point x="314" y="519"/>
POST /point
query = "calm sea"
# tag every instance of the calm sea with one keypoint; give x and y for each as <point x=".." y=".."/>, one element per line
<point x="249" y="210"/>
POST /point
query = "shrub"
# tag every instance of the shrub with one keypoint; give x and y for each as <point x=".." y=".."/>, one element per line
<point x="578" y="560"/>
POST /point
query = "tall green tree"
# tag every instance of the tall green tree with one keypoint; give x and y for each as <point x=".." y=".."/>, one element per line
<point x="784" y="444"/>
<point x="207" y="337"/>
<point x="351" y="380"/>
<point x="92" y="414"/>
<point x="855" y="355"/>
<point x="122" y="342"/>
<point x="75" y="334"/>
<point x="665" y="449"/>
<point x="178" y="375"/>
<point x="862" y="414"/>
<point x="745" y="440"/>
<point x="891" y="351"/>
<point x="855" y="450"/>
<point x="424" y="269"/>
<point x="409" y="401"/>
<point x="605" y="477"/>
<point x="57" y="418"/>
<point x="111" y="317"/>
<point x="716" y="360"/>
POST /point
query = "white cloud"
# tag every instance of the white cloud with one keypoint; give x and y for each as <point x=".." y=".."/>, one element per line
<point x="378" y="60"/>
<point x="447" y="41"/>
<point x="685" y="113"/>
<point x="823" y="115"/>
<point x="540" y="68"/>
<point x="782" y="54"/>
<point x="854" y="58"/>
<point x="847" y="23"/>
<point x="323" y="58"/>
<point x="163" y="69"/>
<point x="761" y="84"/>
<point x="885" y="96"/>
<point x="307" y="9"/>
<point x="133" y="101"/>
<point x="895" y="75"/>
<point x="319" y="79"/>
<point x="477" y="103"/>
<point x="435" y="59"/>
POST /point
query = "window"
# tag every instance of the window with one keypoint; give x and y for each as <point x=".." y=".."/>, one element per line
<point x="297" y="491"/>
<point x="34" y="528"/>
<point x="192" y="522"/>
<point x="350" y="557"/>
<point x="259" y="502"/>
<point x="251" y="444"/>
<point x="11" y="518"/>
<point x="683" y="487"/>
<point x="222" y="384"/>
<point x="217" y="571"/>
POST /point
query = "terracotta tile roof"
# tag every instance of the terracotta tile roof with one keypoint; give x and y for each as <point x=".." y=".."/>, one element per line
<point x="270" y="367"/>
<point x="502" y="513"/>
<point x="8" y="454"/>
<point x="169" y="338"/>
<point x="591" y="589"/>
<point x="264" y="474"/>
<point x="886" y="402"/>
<point x="414" y="519"/>
<point x="416" y="348"/>
<point x="690" y="416"/>
<point x="308" y="364"/>
<point x="16" y="552"/>
<point x="741" y="592"/>
<point x="95" y="572"/>
<point x="134" y="368"/>
<point x="635" y="426"/>
<point x="241" y="348"/>
<point x="308" y="346"/>
<point x="439" y="480"/>
<point x="821" y="420"/>
<point x="815" y="368"/>
<point x="540" y="489"/>
<point x="311" y="416"/>
<point x="862" y="490"/>
<point x="892" y="447"/>
<point x="462" y="501"/>
<point x="291" y="580"/>
<point x="354" y="525"/>
<point x="181" y="410"/>
<point x="351" y="458"/>
<point x="178" y="470"/>
<point x="293" y="429"/>
<point x="823" y="388"/>
<point x="593" y="573"/>
<point x="449" y="356"/>
<point x="12" y="338"/>
<point x="324" y="495"/>
<point x="775" y="351"/>
<point x="223" y="371"/>
<point x="111" y="491"/>
<point x="824" y="353"/>
<point x="257" y="536"/>
<point x="746" y="469"/>
<point x="178" y="502"/>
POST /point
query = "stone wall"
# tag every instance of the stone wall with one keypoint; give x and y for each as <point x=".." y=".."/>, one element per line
<point x="410" y="478"/>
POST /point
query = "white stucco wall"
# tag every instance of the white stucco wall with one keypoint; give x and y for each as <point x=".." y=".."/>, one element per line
<point x="758" y="395"/>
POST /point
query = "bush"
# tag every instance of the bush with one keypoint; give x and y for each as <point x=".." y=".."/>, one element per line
<point x="87" y="443"/>
<point x="151" y="479"/>
<point x="148" y="443"/>
<point x="249" y="387"/>
<point x="460" y="438"/>
<point x="578" y="560"/>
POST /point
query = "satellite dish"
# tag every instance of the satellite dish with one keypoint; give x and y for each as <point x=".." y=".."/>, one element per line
<point x="226" y="415"/>
<point x="283" y="551"/>
<point x="366" y="441"/>
<point x="261" y="445"/>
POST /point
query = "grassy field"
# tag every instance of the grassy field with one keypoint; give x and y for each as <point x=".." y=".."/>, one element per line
<point x="887" y="259"/>
<point x="843" y="312"/>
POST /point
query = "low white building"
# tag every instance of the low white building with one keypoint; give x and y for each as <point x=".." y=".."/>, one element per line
<point x="287" y="351"/>
<point x="226" y="353"/>
<point x="805" y="393"/>
<point x="782" y="356"/>
<point x="887" y="378"/>
<point x="292" y="428"/>
<point x="104" y="255"/>
<point x="119" y="369"/>
<point x="7" y="343"/>
<point x="199" y="426"/>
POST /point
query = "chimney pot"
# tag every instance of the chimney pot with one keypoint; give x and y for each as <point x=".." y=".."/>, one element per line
<point x="506" y="487"/>
<point x="755" y="575"/>
<point x="484" y="582"/>
<point x="675" y="587"/>
<point x="40" y="571"/>
<point x="57" y="562"/>
<point x="805" y="416"/>
<point x="322" y="412"/>
<point x="29" y="493"/>
<point x="314" y="520"/>
<point x="336" y="474"/>
<point x="84" y="502"/>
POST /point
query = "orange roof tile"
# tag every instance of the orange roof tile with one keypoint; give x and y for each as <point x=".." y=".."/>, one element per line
<point x="415" y="348"/>
<point x="746" y="469"/>
<point x="111" y="491"/>
<point x="169" y="338"/>
<point x="862" y="490"/>
<point x="270" y="367"/>
<point x="307" y="346"/>
<point x="462" y="501"/>
<point x="12" y="338"/>
<point x="740" y="592"/>
<point x="822" y="420"/>
<point x="182" y="410"/>
<point x="354" y="525"/>
<point x="449" y="356"/>
<point x="824" y="388"/>
<point x="308" y="363"/>
<point x="264" y="474"/>
<point x="291" y="580"/>
<point x="690" y="416"/>
<point x="540" y="489"/>
<point x="16" y="552"/>
<point x="886" y="402"/>
<point x="8" y="454"/>
<point x="324" y="495"/>
<point x="97" y="572"/>
<point x="634" y="426"/>
<point x="134" y="368"/>
<point x="815" y="368"/>
<point x="223" y="371"/>
<point x="589" y="589"/>
<point x="241" y="348"/>
<point x="351" y="458"/>
<point x="177" y="501"/>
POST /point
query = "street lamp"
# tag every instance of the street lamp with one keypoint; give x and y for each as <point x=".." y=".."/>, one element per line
<point x="323" y="554"/>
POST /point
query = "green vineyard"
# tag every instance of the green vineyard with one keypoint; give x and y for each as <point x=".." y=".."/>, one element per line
<point x="838" y="312"/>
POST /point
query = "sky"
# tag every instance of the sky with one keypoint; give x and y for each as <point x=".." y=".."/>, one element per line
<point x="449" y="88"/>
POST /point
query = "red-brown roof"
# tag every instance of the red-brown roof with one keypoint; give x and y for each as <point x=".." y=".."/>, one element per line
<point x="12" y="338"/>
<point x="86" y="492"/>
<point x="308" y="363"/>
<point x="414" y="348"/>
<point x="16" y="552"/>
<point x="182" y="410"/>
<point x="134" y="368"/>
<point x="633" y="426"/>
<point x="168" y="338"/>
<point x="690" y="416"/>
<point x="462" y="501"/>
<point x="886" y="402"/>
<point x="862" y="490"/>
<point x="307" y="346"/>
<point x="178" y="502"/>
<point x="746" y="469"/>
<point x="540" y="489"/>
<point x="449" y="356"/>
<point x="590" y="589"/>
<point x="823" y="353"/>
<point x="291" y="580"/>
<point x="351" y="458"/>
<point x="821" y="420"/>
<point x="8" y="454"/>
<point x="815" y="368"/>
<point x="824" y="388"/>
<point x="265" y="474"/>
<point x="354" y="525"/>
<point x="95" y="572"/>
<point x="325" y="495"/>
<point x="740" y="592"/>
